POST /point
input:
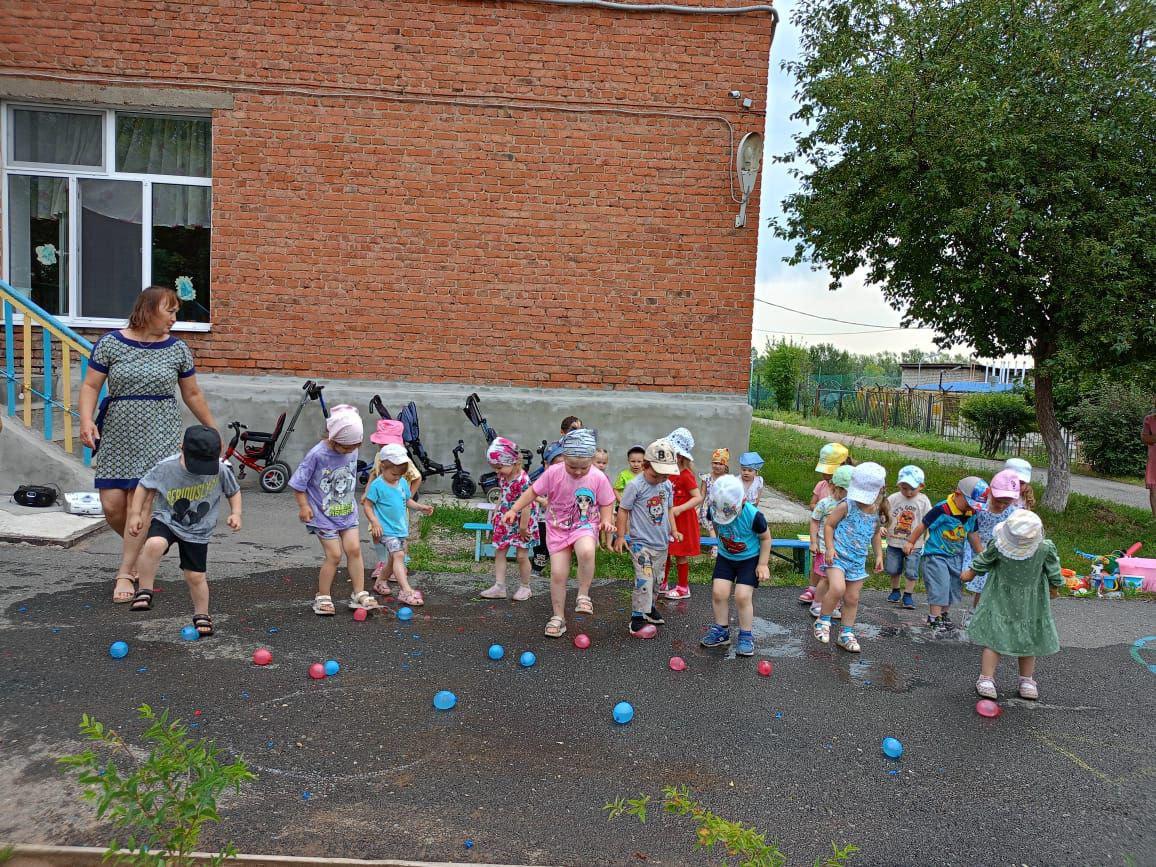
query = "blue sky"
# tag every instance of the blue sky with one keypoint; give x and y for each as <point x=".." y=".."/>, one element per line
<point x="800" y="287"/>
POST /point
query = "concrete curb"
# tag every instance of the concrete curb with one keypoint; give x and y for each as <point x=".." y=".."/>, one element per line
<point x="92" y="856"/>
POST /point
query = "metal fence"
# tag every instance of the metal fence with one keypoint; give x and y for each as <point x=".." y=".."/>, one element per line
<point x="908" y="409"/>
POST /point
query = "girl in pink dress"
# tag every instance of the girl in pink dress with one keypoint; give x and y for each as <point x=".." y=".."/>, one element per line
<point x="579" y="505"/>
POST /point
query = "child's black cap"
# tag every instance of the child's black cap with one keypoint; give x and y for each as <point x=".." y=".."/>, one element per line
<point x="202" y="450"/>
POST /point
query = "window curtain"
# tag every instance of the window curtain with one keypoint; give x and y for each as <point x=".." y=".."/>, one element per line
<point x="157" y="145"/>
<point x="177" y="205"/>
<point x="56" y="137"/>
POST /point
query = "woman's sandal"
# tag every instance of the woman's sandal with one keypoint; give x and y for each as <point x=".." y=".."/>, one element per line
<point x="583" y="605"/>
<point x="363" y="599"/>
<point x="323" y="606"/>
<point x="142" y="600"/>
<point x="555" y="627"/>
<point x="204" y="624"/>
<point x="119" y="595"/>
<point x="414" y="598"/>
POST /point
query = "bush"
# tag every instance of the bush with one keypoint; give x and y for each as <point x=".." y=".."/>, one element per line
<point x="784" y="367"/>
<point x="1108" y="422"/>
<point x="995" y="417"/>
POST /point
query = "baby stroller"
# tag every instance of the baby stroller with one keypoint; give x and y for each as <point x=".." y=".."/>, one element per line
<point x="461" y="484"/>
<point x="489" y="480"/>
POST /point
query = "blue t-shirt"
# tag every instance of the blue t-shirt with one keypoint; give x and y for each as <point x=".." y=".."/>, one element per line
<point x="739" y="540"/>
<point x="389" y="505"/>
<point x="947" y="529"/>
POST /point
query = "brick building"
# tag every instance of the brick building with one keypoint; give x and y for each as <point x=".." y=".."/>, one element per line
<point x="500" y="194"/>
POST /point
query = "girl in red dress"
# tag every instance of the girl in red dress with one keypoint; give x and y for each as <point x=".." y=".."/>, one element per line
<point x="687" y="498"/>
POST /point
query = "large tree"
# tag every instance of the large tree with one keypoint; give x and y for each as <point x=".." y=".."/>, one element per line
<point x="990" y="165"/>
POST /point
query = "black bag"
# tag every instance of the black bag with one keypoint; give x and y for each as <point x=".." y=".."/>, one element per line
<point x="39" y="496"/>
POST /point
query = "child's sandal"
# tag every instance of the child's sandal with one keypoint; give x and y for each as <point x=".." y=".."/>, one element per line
<point x="583" y="605"/>
<point x="142" y="600"/>
<point x="413" y="597"/>
<point x="848" y="641"/>
<point x="203" y="624"/>
<point x="381" y="587"/>
<point x="555" y="627"/>
<point x="363" y="599"/>
<point x="323" y="606"/>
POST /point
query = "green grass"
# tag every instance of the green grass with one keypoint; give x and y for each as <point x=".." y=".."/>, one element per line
<point x="443" y="546"/>
<point x="899" y="436"/>
<point x="1088" y="524"/>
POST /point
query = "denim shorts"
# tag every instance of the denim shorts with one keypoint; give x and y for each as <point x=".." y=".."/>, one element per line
<point x="388" y="546"/>
<point x="853" y="570"/>
<point x="737" y="571"/>
<point x="941" y="577"/>
<point x="895" y="562"/>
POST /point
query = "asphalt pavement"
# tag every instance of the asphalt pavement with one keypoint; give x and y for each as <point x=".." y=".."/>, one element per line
<point x="362" y="765"/>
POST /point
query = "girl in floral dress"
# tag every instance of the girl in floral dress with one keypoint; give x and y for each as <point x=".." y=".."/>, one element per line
<point x="506" y="460"/>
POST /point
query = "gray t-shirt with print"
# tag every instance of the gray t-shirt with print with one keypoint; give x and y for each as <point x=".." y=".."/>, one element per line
<point x="649" y="507"/>
<point x="186" y="503"/>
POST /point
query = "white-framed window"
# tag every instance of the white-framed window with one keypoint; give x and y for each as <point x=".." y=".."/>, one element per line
<point x="100" y="203"/>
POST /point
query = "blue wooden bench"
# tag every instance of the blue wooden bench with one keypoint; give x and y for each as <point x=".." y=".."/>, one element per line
<point x="482" y="547"/>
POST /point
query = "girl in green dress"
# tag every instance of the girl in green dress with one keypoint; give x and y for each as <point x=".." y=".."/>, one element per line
<point x="1014" y="616"/>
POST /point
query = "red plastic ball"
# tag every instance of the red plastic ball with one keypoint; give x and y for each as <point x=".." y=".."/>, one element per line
<point x="677" y="663"/>
<point x="261" y="656"/>
<point x="581" y="640"/>
<point x="317" y="671"/>
<point x="988" y="708"/>
<point x="765" y="668"/>
<point x="360" y="614"/>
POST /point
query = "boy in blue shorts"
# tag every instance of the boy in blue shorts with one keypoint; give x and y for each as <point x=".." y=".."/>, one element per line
<point x="947" y="526"/>
<point x="744" y="550"/>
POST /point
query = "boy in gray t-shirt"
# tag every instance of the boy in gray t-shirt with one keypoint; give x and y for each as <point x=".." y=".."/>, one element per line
<point x="190" y="486"/>
<point x="644" y="516"/>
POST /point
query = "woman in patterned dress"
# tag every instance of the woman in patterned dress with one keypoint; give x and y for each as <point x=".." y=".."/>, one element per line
<point x="139" y="423"/>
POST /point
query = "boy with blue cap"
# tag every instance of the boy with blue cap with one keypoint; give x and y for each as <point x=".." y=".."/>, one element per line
<point x="906" y="508"/>
<point x="749" y="465"/>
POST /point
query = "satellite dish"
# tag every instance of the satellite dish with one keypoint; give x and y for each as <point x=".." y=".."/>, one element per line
<point x="748" y="159"/>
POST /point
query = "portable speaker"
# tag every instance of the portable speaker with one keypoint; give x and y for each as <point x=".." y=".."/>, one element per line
<point x="39" y="496"/>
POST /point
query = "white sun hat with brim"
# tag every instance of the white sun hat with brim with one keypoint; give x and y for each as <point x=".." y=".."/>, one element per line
<point x="867" y="480"/>
<point x="726" y="499"/>
<point x="1020" y="535"/>
<point x="1020" y="467"/>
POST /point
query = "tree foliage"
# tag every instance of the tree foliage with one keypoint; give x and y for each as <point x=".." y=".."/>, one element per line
<point x="989" y="164"/>
<point x="997" y="417"/>
<point x="783" y="367"/>
<point x="1108" y="422"/>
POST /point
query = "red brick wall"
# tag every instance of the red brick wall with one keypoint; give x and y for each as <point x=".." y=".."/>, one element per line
<point x="361" y="235"/>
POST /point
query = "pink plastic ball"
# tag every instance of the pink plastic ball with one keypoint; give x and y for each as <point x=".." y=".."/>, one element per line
<point x="677" y="663"/>
<point x="317" y="671"/>
<point x="261" y="656"/>
<point x="988" y="708"/>
<point x="581" y="640"/>
<point x="360" y="614"/>
<point x="765" y="668"/>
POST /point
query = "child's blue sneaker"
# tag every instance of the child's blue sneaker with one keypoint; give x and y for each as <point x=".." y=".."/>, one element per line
<point x="893" y="597"/>
<point x="716" y="636"/>
<point x="746" y="644"/>
<point x="908" y="601"/>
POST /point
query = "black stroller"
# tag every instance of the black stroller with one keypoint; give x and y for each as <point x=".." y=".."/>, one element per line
<point x="461" y="484"/>
<point x="489" y="480"/>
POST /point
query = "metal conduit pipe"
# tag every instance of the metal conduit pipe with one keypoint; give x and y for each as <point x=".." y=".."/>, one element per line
<point x="663" y="7"/>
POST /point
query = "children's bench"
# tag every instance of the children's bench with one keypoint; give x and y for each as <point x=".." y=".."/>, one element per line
<point x="482" y="546"/>
<point x="799" y="556"/>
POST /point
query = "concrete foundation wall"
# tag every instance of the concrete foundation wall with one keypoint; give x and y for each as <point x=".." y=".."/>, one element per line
<point x="527" y="416"/>
<point x="27" y="459"/>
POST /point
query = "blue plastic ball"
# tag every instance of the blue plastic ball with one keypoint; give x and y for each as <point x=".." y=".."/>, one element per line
<point x="496" y="652"/>
<point x="527" y="659"/>
<point x="623" y="712"/>
<point x="118" y="650"/>
<point x="189" y="633"/>
<point x="444" y="700"/>
<point x="331" y="667"/>
<point x="404" y="614"/>
<point x="892" y="748"/>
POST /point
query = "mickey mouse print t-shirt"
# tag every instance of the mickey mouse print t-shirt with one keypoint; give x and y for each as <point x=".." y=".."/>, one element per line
<point x="186" y="503"/>
<point x="328" y="479"/>
<point x="572" y="504"/>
